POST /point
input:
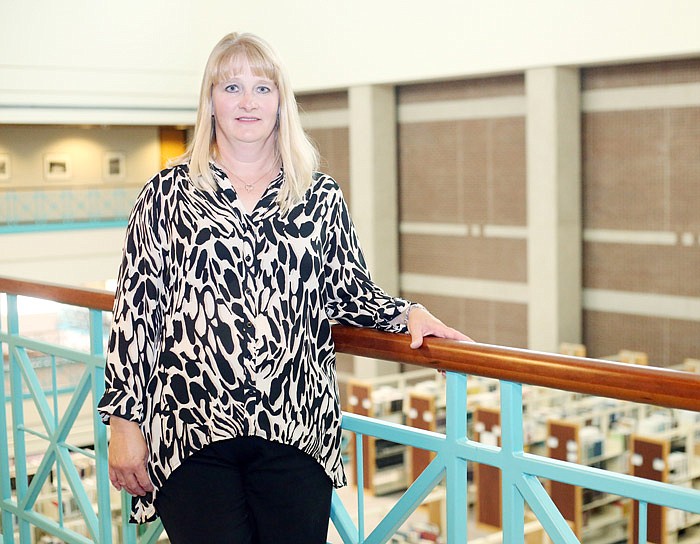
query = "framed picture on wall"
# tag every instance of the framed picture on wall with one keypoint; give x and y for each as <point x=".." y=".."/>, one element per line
<point x="114" y="166"/>
<point x="5" y="167"/>
<point x="57" y="166"/>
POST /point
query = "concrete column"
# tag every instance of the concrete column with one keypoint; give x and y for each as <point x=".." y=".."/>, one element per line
<point x="374" y="193"/>
<point x="553" y="137"/>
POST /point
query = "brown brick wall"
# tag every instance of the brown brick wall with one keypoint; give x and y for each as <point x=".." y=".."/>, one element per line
<point x="489" y="322"/>
<point x="641" y="172"/>
<point x="333" y="145"/>
<point x="466" y="172"/>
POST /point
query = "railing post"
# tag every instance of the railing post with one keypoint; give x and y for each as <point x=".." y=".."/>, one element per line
<point x="360" y="483"/>
<point x="16" y="396"/>
<point x="456" y="466"/>
<point x="5" y="487"/>
<point x="513" y="505"/>
<point x="642" y="517"/>
<point x="104" y="508"/>
<point x="128" y="529"/>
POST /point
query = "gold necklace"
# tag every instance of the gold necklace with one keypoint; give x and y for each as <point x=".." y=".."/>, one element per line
<point x="250" y="186"/>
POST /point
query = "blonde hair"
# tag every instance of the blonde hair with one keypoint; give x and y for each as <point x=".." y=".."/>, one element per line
<point x="298" y="154"/>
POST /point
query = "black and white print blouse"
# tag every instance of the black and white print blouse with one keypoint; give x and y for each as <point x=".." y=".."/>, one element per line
<point x="222" y="318"/>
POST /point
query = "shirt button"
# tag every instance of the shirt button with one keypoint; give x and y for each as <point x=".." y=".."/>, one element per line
<point x="249" y="325"/>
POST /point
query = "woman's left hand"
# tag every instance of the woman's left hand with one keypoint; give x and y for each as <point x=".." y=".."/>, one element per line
<point x="422" y="323"/>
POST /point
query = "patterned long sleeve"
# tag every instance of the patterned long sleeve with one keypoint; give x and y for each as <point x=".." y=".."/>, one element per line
<point x="138" y="313"/>
<point x="352" y="297"/>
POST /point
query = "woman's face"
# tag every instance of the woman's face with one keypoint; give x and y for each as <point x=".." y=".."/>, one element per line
<point x="245" y="108"/>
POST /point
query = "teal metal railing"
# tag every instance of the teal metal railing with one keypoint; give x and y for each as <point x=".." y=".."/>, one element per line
<point x="29" y="387"/>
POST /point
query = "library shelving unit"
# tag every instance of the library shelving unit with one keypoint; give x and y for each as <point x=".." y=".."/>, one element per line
<point x="666" y="448"/>
<point x="595" y="517"/>
<point x="385" y="468"/>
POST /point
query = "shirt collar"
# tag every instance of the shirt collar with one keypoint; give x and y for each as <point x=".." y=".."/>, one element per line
<point x="268" y="200"/>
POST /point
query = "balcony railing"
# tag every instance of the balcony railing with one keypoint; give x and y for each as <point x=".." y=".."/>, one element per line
<point x="41" y="208"/>
<point x="72" y="460"/>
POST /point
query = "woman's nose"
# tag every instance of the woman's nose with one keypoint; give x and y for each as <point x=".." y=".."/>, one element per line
<point x="247" y="100"/>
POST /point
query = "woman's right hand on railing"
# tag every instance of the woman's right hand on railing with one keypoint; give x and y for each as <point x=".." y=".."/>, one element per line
<point x="422" y="323"/>
<point x="128" y="454"/>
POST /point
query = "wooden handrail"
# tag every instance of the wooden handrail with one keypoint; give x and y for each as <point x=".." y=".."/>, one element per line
<point x="84" y="298"/>
<point x="635" y="383"/>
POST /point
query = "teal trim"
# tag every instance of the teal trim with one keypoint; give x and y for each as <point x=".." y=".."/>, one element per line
<point x="456" y="469"/>
<point x="46" y="524"/>
<point x="99" y="430"/>
<point x="20" y="463"/>
<point x="58" y="208"/>
<point x="152" y="533"/>
<point x="5" y="482"/>
<point x="35" y="389"/>
<point x="409" y="502"/>
<point x="511" y="445"/>
<point x="21" y="228"/>
<point x="642" y="522"/>
<point x="360" y="472"/>
<point x="50" y="349"/>
<point x="546" y="511"/>
<point x="342" y="521"/>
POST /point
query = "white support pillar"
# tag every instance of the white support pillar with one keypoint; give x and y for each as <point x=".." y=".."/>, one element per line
<point x="553" y="137"/>
<point x="374" y="192"/>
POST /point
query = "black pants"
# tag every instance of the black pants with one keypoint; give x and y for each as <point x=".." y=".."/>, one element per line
<point x="246" y="491"/>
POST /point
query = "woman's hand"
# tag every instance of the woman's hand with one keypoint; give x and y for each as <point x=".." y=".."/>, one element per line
<point x="127" y="457"/>
<point x="422" y="323"/>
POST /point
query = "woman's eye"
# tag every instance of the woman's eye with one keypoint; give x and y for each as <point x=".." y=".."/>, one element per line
<point x="263" y="89"/>
<point x="231" y="88"/>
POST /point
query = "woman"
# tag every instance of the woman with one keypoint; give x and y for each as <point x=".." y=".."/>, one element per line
<point x="220" y="381"/>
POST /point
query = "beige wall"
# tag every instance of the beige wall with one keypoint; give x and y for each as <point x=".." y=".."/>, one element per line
<point x="71" y="257"/>
<point x="141" y="62"/>
<point x="85" y="148"/>
<point x="87" y="257"/>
